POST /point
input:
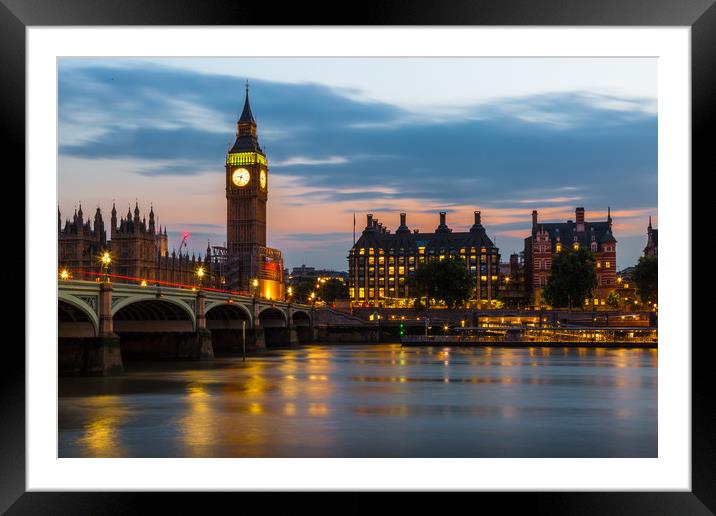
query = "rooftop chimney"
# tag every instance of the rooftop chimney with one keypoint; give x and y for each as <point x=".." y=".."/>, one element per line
<point x="443" y="226"/>
<point x="403" y="228"/>
<point x="534" y="218"/>
<point x="579" y="213"/>
<point x="477" y="226"/>
<point x="370" y="221"/>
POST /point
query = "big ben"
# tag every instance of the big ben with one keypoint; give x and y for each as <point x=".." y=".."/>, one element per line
<point x="257" y="268"/>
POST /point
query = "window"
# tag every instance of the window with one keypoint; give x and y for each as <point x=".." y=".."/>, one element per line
<point x="391" y="270"/>
<point x="599" y="264"/>
<point x="608" y="265"/>
<point x="361" y="292"/>
<point x="401" y="270"/>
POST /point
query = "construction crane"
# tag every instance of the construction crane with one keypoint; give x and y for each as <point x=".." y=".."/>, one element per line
<point x="185" y="237"/>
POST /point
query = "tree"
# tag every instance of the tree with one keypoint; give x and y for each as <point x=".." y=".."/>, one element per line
<point x="646" y="278"/>
<point x="572" y="278"/>
<point x="448" y="280"/>
<point x="613" y="300"/>
<point x="334" y="289"/>
<point x="302" y="290"/>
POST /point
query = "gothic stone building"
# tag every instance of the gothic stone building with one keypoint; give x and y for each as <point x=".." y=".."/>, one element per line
<point x="380" y="261"/>
<point x="139" y="251"/>
<point x="549" y="238"/>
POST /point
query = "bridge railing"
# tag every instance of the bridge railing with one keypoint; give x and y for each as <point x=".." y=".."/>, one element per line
<point x="145" y="282"/>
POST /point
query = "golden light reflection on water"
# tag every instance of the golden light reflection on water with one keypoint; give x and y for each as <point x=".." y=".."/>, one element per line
<point x="101" y="436"/>
<point x="196" y="429"/>
<point x="297" y="400"/>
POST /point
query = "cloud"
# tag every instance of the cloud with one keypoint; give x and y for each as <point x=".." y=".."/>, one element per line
<point x="302" y="160"/>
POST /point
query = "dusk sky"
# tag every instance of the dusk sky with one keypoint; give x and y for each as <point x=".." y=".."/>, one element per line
<point x="365" y="135"/>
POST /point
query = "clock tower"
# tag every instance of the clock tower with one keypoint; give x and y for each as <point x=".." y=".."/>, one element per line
<point x="246" y="197"/>
<point x="246" y="186"/>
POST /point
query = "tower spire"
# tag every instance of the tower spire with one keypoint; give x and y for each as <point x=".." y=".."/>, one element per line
<point x="246" y="116"/>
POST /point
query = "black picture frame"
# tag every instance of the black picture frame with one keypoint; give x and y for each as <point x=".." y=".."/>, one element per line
<point x="17" y="15"/>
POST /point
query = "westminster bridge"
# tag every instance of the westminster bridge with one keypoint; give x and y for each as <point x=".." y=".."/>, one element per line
<point x="100" y="324"/>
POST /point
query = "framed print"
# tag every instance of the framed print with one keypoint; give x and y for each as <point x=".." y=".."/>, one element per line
<point x="416" y="253"/>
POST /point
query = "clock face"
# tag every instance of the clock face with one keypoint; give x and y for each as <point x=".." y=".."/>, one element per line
<point x="241" y="177"/>
<point x="262" y="179"/>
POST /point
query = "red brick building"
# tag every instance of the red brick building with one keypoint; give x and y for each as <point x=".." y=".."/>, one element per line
<point x="549" y="238"/>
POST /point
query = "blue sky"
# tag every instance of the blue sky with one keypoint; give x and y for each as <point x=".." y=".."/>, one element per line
<point x="377" y="135"/>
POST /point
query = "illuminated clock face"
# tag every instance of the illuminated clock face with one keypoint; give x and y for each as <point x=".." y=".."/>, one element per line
<point x="262" y="179"/>
<point x="241" y="177"/>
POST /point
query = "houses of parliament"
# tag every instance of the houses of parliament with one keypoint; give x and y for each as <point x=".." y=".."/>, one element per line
<point x="139" y="247"/>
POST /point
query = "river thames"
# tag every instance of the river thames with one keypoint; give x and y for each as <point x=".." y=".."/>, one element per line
<point x="370" y="401"/>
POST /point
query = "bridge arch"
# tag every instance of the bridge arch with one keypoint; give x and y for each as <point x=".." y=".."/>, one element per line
<point x="158" y="314"/>
<point x="71" y="309"/>
<point x="272" y="317"/>
<point x="225" y="311"/>
<point x="301" y="318"/>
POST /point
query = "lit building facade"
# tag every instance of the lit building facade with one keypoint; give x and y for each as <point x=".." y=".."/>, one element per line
<point x="549" y="238"/>
<point x="380" y="262"/>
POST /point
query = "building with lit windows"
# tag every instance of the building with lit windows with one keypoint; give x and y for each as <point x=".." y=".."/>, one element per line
<point x="549" y="238"/>
<point x="380" y="262"/>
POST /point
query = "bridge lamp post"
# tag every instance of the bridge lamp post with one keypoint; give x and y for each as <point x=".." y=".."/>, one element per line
<point x="289" y="292"/>
<point x="64" y="274"/>
<point x="106" y="259"/>
<point x="200" y="275"/>
<point x="313" y="299"/>
<point x="255" y="285"/>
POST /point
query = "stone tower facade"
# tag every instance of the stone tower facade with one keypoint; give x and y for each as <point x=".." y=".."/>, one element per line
<point x="249" y="260"/>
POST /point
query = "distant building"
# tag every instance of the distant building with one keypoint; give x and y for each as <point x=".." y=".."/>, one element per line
<point x="652" y="241"/>
<point x="549" y="238"/>
<point x="303" y="273"/>
<point x="380" y="262"/>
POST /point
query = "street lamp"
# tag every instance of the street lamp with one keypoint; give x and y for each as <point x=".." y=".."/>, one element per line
<point x="313" y="298"/>
<point x="200" y="275"/>
<point x="106" y="259"/>
<point x="255" y="285"/>
<point x="289" y="292"/>
<point x="64" y="274"/>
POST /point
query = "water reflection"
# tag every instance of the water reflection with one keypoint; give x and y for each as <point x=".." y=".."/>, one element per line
<point x="371" y="401"/>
